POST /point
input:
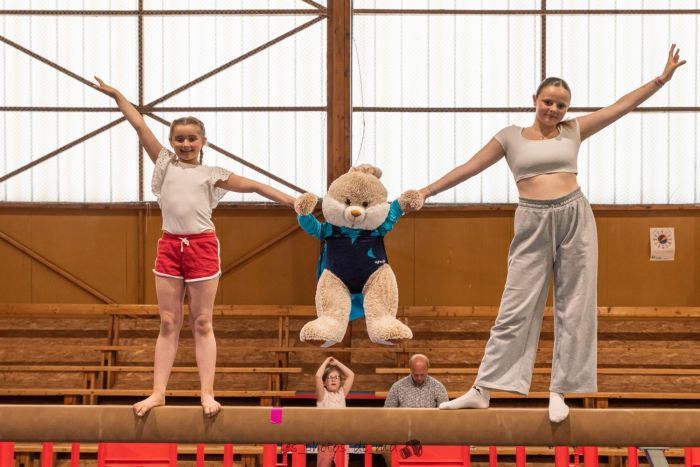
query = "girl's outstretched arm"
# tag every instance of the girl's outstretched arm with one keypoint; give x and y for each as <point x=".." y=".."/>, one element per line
<point x="486" y="157"/>
<point x="594" y="122"/>
<point x="149" y="141"/>
<point x="245" y="185"/>
<point x="318" y="379"/>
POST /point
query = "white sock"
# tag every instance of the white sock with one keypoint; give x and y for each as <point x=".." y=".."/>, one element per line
<point x="558" y="410"/>
<point x="476" y="398"/>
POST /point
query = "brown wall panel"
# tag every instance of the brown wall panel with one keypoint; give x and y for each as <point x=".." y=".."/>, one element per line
<point x="97" y="248"/>
<point x="628" y="277"/>
<point x="461" y="258"/>
<point x="400" y="245"/>
<point x="284" y="273"/>
<point x="15" y="266"/>
<point x="441" y="257"/>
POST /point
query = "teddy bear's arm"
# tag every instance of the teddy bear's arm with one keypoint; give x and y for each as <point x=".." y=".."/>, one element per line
<point x="395" y="213"/>
<point x="313" y="226"/>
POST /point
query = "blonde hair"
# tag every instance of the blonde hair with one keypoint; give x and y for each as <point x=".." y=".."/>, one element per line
<point x="189" y="120"/>
<point x="553" y="81"/>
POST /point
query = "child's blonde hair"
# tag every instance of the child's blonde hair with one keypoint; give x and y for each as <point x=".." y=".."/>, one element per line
<point x="189" y="120"/>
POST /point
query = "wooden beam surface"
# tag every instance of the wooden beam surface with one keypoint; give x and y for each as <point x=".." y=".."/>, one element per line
<point x="303" y="311"/>
<point x="491" y="427"/>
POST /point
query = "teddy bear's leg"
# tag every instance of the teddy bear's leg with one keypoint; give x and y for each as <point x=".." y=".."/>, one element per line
<point x="333" y="310"/>
<point x="381" y="301"/>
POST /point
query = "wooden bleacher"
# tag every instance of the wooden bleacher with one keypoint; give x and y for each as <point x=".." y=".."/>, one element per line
<point x="91" y="354"/>
<point x="88" y="352"/>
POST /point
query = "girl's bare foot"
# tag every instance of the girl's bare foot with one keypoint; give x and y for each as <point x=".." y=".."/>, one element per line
<point x="210" y="406"/>
<point x="154" y="400"/>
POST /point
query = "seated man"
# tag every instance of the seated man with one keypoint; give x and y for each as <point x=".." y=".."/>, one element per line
<point x="417" y="390"/>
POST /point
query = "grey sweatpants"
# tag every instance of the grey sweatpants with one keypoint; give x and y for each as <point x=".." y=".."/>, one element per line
<point x="553" y="236"/>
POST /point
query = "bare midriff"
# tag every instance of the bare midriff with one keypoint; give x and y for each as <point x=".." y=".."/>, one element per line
<point x="548" y="186"/>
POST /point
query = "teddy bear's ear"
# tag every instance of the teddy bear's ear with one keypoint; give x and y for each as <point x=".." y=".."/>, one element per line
<point x="368" y="169"/>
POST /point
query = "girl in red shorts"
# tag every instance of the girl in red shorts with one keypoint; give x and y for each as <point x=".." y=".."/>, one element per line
<point x="188" y="252"/>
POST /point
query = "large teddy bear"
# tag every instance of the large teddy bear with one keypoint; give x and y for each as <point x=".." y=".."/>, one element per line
<point x="354" y="260"/>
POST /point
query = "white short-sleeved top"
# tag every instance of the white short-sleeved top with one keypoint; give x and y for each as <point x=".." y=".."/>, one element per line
<point x="186" y="193"/>
<point x="332" y="400"/>
<point x="527" y="158"/>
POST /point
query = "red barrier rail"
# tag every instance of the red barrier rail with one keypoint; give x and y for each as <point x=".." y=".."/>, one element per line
<point x="165" y="454"/>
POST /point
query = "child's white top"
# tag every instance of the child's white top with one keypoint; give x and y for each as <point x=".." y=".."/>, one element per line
<point x="186" y="193"/>
<point x="332" y="400"/>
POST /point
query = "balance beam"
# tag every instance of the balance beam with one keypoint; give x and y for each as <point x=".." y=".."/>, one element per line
<point x="253" y="425"/>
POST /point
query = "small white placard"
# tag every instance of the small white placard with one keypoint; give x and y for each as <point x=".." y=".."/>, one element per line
<point x="663" y="243"/>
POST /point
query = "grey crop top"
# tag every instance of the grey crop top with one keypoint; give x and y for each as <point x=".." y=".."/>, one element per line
<point x="527" y="158"/>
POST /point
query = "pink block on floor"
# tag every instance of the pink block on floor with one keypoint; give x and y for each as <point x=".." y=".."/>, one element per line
<point x="632" y="457"/>
<point x="692" y="457"/>
<point x="431" y="456"/>
<point x="493" y="456"/>
<point x="520" y="456"/>
<point x="7" y="453"/>
<point x="118" y="454"/>
<point x="561" y="456"/>
<point x="228" y="455"/>
<point x="269" y="455"/>
<point x="590" y="456"/>
<point x="74" y="454"/>
<point x="299" y="455"/>
<point x="339" y="458"/>
<point x="46" y="454"/>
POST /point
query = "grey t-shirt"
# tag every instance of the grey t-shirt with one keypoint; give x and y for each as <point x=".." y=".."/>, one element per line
<point x="527" y="158"/>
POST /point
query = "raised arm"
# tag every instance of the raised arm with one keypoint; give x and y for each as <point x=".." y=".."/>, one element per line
<point x="318" y="379"/>
<point x="348" y="375"/>
<point x="486" y="157"/>
<point x="146" y="137"/>
<point x="245" y="185"/>
<point x="594" y="122"/>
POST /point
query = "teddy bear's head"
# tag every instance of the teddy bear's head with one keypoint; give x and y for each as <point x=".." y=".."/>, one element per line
<point x="357" y="199"/>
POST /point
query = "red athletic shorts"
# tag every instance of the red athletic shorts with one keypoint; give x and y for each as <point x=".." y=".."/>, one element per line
<point x="192" y="257"/>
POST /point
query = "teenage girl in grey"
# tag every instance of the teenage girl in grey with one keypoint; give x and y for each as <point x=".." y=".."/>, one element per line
<point x="555" y="233"/>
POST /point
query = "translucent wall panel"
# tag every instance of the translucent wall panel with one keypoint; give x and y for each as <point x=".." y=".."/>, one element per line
<point x="85" y="46"/>
<point x="448" y="4"/>
<point x="181" y="49"/>
<point x="177" y="50"/>
<point x="70" y="5"/>
<point x="414" y="149"/>
<point x="643" y="158"/>
<point x="482" y="62"/>
<point x="445" y="61"/>
<point x="228" y="4"/>
<point x="103" y="169"/>
<point x="618" y="4"/>
<point x="604" y="57"/>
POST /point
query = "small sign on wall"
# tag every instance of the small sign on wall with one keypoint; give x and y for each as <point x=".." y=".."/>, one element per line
<point x="663" y="243"/>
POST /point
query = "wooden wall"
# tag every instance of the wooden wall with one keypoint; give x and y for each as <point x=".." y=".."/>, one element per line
<point x="441" y="256"/>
